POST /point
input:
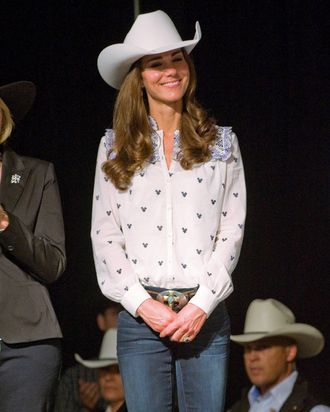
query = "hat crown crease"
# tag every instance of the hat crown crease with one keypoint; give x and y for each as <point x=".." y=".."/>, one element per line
<point x="150" y="34"/>
<point x="261" y="319"/>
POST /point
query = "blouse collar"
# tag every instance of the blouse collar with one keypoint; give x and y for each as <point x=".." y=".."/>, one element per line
<point x="155" y="157"/>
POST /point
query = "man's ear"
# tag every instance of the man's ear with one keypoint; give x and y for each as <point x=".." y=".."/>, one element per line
<point x="100" y="322"/>
<point x="291" y="351"/>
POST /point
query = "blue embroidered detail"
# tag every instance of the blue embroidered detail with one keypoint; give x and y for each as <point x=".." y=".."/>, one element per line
<point x="153" y="123"/>
<point x="156" y="141"/>
<point x="155" y="157"/>
<point x="222" y="147"/>
<point x="109" y="140"/>
<point x="176" y="146"/>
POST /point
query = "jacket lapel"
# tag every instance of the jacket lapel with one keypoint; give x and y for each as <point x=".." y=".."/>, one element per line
<point x="14" y="176"/>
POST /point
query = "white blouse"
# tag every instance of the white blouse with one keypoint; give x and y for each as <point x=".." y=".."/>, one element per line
<point x="171" y="228"/>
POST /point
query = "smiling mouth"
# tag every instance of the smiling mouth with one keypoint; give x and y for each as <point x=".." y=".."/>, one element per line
<point x="173" y="83"/>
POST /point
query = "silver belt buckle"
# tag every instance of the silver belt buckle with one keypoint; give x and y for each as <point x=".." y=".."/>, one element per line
<point x="173" y="299"/>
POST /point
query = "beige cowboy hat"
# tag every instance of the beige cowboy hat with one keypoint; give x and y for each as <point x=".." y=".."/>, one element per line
<point x="269" y="317"/>
<point x="19" y="97"/>
<point x="108" y="352"/>
<point x="151" y="33"/>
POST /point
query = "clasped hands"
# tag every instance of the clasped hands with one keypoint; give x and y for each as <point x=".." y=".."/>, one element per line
<point x="178" y="327"/>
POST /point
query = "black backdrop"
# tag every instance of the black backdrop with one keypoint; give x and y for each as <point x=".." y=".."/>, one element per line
<point x="263" y="68"/>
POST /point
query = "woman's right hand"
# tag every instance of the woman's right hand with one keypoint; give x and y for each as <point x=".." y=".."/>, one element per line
<point x="156" y="314"/>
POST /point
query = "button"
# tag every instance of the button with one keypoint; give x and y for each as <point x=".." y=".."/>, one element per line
<point x="10" y="248"/>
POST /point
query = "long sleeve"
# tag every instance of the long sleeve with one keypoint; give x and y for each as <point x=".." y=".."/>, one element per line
<point x="39" y="250"/>
<point x="216" y="283"/>
<point x="116" y="277"/>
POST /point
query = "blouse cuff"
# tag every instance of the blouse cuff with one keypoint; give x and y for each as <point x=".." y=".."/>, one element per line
<point x="205" y="300"/>
<point x="133" y="298"/>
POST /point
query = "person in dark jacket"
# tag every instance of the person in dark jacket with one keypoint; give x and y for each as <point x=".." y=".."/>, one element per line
<point x="272" y="342"/>
<point x="32" y="256"/>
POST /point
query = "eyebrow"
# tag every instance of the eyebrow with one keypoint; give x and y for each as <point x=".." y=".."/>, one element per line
<point x="151" y="58"/>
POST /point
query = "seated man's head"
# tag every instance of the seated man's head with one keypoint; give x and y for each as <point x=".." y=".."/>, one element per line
<point x="270" y="360"/>
<point x="111" y="385"/>
<point x="272" y="341"/>
<point x="108" y="315"/>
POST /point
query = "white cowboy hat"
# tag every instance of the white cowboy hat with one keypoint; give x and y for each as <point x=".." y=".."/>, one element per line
<point x="108" y="352"/>
<point x="269" y="317"/>
<point x="151" y="33"/>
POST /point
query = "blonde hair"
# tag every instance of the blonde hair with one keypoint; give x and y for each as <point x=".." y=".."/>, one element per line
<point x="6" y="122"/>
<point x="133" y="145"/>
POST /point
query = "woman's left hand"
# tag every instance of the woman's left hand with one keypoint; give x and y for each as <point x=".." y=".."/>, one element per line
<point x="186" y="325"/>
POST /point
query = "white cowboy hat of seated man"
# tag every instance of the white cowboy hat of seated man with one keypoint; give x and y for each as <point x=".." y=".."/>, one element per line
<point x="107" y="355"/>
<point x="270" y="318"/>
<point x="109" y="379"/>
<point x="151" y="33"/>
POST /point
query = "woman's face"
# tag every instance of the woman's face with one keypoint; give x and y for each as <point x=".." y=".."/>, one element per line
<point x="165" y="77"/>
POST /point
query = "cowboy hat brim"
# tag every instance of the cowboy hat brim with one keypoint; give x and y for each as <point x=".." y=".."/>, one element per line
<point x="19" y="98"/>
<point x="97" y="363"/>
<point x="115" y="61"/>
<point x="310" y="340"/>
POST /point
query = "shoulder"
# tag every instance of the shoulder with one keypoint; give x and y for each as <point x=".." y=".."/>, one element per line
<point x="301" y="391"/>
<point x="16" y="160"/>
<point x="241" y="404"/>
<point x="223" y="144"/>
<point x="37" y="163"/>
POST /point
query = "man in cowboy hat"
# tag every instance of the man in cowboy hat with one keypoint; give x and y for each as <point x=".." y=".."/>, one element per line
<point x="109" y="379"/>
<point x="272" y="341"/>
<point x="78" y="388"/>
<point x="32" y="256"/>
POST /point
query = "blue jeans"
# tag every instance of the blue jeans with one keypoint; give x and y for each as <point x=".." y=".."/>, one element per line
<point x="153" y="369"/>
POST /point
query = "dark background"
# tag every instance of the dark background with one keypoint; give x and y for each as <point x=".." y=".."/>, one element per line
<point x="263" y="67"/>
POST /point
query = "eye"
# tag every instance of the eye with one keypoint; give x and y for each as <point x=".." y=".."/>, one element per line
<point x="155" y="64"/>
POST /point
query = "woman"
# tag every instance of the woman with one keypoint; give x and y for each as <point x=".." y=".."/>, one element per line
<point x="167" y="225"/>
<point x="32" y="256"/>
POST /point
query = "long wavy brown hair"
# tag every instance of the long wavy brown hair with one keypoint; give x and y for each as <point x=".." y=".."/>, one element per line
<point x="133" y="145"/>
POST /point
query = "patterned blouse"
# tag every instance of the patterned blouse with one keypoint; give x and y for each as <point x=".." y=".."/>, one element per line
<point x="172" y="228"/>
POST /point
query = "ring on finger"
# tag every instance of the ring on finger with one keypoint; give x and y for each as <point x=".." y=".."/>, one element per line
<point x="186" y="339"/>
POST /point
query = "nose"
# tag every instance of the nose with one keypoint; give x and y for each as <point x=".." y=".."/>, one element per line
<point x="169" y="69"/>
<point x="109" y="376"/>
<point x="251" y="354"/>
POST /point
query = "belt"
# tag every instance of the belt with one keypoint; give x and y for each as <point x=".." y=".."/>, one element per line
<point x="175" y="299"/>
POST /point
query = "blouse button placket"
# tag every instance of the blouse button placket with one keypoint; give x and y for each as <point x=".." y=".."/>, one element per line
<point x="169" y="211"/>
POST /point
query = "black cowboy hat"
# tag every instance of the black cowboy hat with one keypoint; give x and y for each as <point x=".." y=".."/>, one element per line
<point x="19" y="97"/>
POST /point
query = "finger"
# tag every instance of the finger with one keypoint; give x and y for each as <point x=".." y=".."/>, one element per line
<point x="183" y="336"/>
<point x="170" y="329"/>
<point x="156" y="315"/>
<point x="88" y="389"/>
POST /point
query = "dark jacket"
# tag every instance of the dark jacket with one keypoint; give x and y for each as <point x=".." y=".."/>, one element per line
<point x="300" y="400"/>
<point x="32" y="253"/>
